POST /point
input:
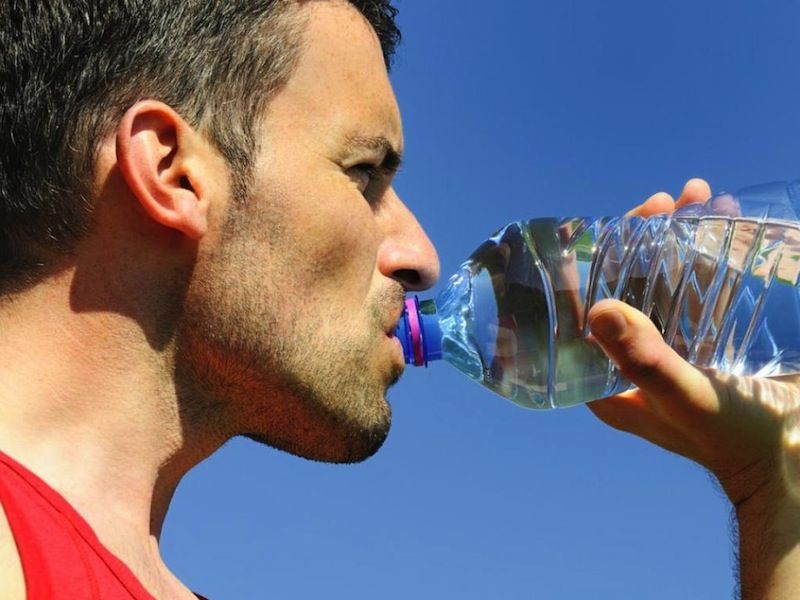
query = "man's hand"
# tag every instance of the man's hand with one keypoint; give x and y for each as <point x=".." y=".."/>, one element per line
<point x="745" y="430"/>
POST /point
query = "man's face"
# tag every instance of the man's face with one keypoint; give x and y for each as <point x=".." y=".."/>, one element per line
<point x="291" y="312"/>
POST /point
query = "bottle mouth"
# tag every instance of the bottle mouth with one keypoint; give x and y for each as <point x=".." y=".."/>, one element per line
<point x="419" y="333"/>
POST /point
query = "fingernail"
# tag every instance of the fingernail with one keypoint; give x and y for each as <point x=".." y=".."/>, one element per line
<point x="609" y="325"/>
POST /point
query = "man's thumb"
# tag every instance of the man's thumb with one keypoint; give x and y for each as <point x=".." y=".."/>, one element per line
<point x="634" y="344"/>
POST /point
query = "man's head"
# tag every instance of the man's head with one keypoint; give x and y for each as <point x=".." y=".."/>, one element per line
<point x="254" y="203"/>
<point x="71" y="68"/>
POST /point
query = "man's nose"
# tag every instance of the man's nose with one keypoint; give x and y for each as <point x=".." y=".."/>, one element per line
<point x="407" y="255"/>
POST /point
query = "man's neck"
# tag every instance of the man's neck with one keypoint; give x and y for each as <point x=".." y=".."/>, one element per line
<point x="89" y="406"/>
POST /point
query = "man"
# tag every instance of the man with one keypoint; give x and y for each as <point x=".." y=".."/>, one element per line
<point x="199" y="239"/>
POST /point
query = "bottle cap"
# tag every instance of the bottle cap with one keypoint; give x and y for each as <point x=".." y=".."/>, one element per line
<point x="419" y="332"/>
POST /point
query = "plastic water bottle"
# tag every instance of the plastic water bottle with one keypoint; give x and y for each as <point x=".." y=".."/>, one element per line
<point x="719" y="280"/>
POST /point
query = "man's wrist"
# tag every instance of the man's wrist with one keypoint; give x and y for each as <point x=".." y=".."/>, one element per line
<point x="769" y="541"/>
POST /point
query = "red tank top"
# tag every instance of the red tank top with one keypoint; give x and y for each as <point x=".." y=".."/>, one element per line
<point x="61" y="557"/>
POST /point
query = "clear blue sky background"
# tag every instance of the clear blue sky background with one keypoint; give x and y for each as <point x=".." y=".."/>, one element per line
<point x="513" y="110"/>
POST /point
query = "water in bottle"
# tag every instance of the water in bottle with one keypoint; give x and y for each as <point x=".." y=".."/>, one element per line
<point x="719" y="280"/>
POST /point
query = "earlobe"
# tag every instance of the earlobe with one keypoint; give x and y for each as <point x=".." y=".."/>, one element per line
<point x="154" y="147"/>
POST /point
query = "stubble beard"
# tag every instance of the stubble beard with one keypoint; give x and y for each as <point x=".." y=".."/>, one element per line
<point x="303" y="383"/>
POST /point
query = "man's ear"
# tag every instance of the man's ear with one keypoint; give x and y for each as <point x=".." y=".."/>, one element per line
<point x="155" y="153"/>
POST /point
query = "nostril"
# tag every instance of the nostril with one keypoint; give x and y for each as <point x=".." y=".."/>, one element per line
<point x="410" y="278"/>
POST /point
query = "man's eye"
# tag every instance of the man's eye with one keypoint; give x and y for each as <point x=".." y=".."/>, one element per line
<point x="363" y="175"/>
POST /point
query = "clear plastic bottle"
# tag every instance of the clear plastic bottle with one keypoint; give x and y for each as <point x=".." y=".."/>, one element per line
<point x="719" y="280"/>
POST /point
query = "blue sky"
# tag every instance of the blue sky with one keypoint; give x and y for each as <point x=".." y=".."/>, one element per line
<point x="514" y="110"/>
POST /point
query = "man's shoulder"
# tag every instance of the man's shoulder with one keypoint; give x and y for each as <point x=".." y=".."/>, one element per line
<point x="10" y="566"/>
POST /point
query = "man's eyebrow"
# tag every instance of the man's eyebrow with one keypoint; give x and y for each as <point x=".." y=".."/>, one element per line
<point x="392" y="157"/>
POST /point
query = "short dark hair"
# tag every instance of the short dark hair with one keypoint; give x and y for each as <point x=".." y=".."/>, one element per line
<point x="69" y="69"/>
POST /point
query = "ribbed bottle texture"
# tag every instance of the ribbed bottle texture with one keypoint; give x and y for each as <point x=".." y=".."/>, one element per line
<point x="720" y="281"/>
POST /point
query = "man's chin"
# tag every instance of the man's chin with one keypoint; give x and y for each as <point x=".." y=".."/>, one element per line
<point x="350" y="455"/>
<point x="341" y="445"/>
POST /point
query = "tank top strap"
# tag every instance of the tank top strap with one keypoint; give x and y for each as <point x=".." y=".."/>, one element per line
<point x="60" y="554"/>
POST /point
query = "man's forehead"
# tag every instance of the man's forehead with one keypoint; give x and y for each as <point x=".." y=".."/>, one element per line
<point x="339" y="41"/>
<point x="340" y="85"/>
